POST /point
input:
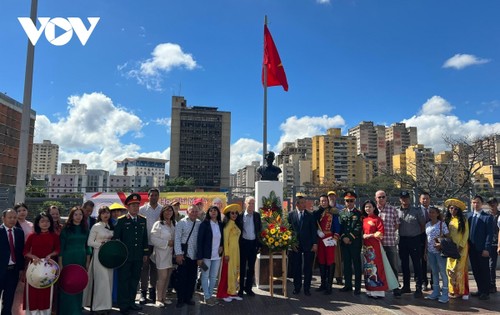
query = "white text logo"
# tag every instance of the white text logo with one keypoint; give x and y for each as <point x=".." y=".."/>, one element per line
<point x="67" y="25"/>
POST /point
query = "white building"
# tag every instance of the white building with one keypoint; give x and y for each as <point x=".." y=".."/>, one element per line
<point x="143" y="166"/>
<point x="44" y="159"/>
<point x="73" y="168"/>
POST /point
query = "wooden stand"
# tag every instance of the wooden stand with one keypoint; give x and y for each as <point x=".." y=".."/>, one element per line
<point x="272" y="278"/>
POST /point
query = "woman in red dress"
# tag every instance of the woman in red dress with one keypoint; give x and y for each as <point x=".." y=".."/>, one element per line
<point x="373" y="265"/>
<point x="43" y="244"/>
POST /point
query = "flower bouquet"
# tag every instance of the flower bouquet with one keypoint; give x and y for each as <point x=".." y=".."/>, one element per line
<point x="276" y="233"/>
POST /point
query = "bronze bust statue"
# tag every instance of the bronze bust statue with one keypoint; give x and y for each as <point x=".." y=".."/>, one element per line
<point x="269" y="171"/>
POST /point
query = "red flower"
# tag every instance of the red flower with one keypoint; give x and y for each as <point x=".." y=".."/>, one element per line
<point x="283" y="229"/>
<point x="271" y="226"/>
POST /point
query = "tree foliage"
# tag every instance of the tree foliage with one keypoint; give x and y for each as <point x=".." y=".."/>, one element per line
<point x="179" y="184"/>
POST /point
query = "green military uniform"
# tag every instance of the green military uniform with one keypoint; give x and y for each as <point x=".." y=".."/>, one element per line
<point x="133" y="233"/>
<point x="351" y="228"/>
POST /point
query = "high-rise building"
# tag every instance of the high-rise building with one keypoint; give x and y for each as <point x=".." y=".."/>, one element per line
<point x="245" y="179"/>
<point x="420" y="163"/>
<point x="45" y="159"/>
<point x="10" y="131"/>
<point x="143" y="166"/>
<point x="97" y="180"/>
<point x="290" y="159"/>
<point x="370" y="143"/>
<point x="398" y="137"/>
<point x="200" y="143"/>
<point x="74" y="168"/>
<point x="333" y="158"/>
<point x="490" y="149"/>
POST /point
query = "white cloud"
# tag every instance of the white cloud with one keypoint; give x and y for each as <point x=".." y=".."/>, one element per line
<point x="323" y="1"/>
<point x="164" y="122"/>
<point x="165" y="58"/>
<point x="296" y="128"/>
<point x="91" y="132"/>
<point x="460" y="61"/>
<point x="432" y="125"/>
<point x="436" y="105"/>
<point x="244" y="152"/>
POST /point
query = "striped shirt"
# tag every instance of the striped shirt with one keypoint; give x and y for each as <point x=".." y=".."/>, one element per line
<point x="182" y="230"/>
<point x="390" y="217"/>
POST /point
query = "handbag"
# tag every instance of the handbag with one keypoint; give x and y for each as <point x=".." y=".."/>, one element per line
<point x="448" y="247"/>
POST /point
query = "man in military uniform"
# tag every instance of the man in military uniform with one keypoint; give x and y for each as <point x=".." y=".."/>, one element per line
<point x="351" y="242"/>
<point x="131" y="229"/>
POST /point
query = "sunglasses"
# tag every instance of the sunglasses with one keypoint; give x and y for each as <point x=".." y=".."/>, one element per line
<point x="349" y="200"/>
<point x="381" y="197"/>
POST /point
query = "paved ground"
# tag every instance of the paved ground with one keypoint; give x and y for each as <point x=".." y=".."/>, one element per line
<point x="338" y="303"/>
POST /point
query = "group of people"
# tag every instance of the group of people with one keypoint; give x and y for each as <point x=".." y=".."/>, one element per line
<point x="368" y="241"/>
<point x="219" y="248"/>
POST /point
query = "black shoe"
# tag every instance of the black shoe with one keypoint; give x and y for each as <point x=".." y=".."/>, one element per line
<point x="124" y="311"/>
<point x="345" y="289"/>
<point x="475" y="294"/>
<point x="307" y="292"/>
<point x="191" y="302"/>
<point x="144" y="300"/>
<point x="493" y="290"/>
<point x="405" y="290"/>
<point x="135" y="307"/>
<point x="418" y="294"/>
<point x="484" y="296"/>
<point x="179" y="305"/>
<point x="321" y="288"/>
<point x="357" y="292"/>
<point x="339" y="281"/>
<point x="295" y="291"/>
<point x="396" y="292"/>
<point x="240" y="293"/>
<point x="249" y="292"/>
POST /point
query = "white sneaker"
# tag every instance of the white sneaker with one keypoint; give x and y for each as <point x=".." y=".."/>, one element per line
<point x="465" y="297"/>
<point x="227" y="299"/>
<point x="237" y="298"/>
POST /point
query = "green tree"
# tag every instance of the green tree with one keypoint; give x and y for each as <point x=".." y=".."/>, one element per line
<point x="179" y="184"/>
<point x="46" y="204"/>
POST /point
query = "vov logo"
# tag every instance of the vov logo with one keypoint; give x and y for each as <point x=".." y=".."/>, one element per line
<point x="49" y="26"/>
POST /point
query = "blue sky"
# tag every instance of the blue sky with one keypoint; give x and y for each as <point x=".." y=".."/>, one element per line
<point x="431" y="64"/>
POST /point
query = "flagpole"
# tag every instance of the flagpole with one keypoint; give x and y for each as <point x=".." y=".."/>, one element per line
<point x="264" y="149"/>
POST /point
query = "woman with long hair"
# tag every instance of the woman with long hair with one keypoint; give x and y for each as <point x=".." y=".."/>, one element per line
<point x="74" y="250"/>
<point x="433" y="229"/>
<point x="22" y="212"/>
<point x="229" y="281"/>
<point x="53" y="210"/>
<point x="43" y="244"/>
<point x="457" y="269"/>
<point x="162" y="237"/>
<point x="373" y="264"/>
<point x="97" y="295"/>
<point x="210" y="246"/>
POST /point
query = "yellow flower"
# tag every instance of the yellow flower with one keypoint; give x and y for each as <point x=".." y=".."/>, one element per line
<point x="272" y="231"/>
<point x="271" y="240"/>
<point x="285" y="237"/>
<point x="276" y="244"/>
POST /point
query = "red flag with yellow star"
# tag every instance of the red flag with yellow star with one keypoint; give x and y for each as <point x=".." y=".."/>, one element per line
<point x="275" y="71"/>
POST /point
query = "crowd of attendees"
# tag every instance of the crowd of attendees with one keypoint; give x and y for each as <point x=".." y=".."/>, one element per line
<point x="218" y="248"/>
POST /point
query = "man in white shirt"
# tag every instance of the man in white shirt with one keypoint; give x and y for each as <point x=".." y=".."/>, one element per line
<point x="151" y="211"/>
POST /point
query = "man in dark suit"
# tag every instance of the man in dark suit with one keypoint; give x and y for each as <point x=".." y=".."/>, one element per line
<point x="480" y="237"/>
<point x="11" y="258"/>
<point x="131" y="229"/>
<point x="250" y="226"/>
<point x="88" y="209"/>
<point x="303" y="225"/>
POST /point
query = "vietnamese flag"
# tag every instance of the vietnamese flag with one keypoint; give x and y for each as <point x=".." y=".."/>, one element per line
<point x="275" y="71"/>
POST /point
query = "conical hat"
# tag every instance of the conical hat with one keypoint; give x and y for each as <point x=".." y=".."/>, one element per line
<point x="455" y="202"/>
<point x="113" y="254"/>
<point x="73" y="279"/>
<point x="42" y="275"/>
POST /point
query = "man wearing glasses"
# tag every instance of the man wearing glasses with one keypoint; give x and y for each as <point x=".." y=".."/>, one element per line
<point x="390" y="218"/>
<point x="351" y="242"/>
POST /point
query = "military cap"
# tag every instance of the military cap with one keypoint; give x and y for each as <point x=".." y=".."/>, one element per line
<point x="133" y="198"/>
<point x="404" y="194"/>
<point x="350" y="195"/>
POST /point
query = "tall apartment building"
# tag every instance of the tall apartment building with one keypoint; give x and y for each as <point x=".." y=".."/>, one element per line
<point x="333" y="157"/>
<point x="490" y="147"/>
<point x="73" y="168"/>
<point x="44" y="160"/>
<point x="245" y="179"/>
<point x="10" y="131"/>
<point x="398" y="137"/>
<point x="143" y="166"/>
<point x="292" y="161"/>
<point x="200" y="143"/>
<point x="370" y="143"/>
<point x="97" y="180"/>
<point x="419" y="162"/>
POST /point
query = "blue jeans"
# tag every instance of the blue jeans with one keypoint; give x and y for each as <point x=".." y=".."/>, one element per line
<point x="438" y="267"/>
<point x="209" y="277"/>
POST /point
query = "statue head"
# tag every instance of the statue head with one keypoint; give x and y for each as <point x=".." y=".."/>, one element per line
<point x="270" y="157"/>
